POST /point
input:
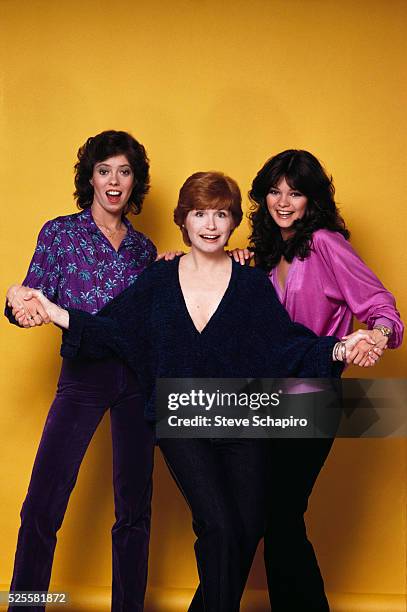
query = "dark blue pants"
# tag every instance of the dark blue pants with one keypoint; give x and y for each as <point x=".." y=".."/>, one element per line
<point x="223" y="482"/>
<point x="85" y="389"/>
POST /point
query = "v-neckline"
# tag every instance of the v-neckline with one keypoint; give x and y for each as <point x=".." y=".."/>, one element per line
<point x="282" y="292"/>
<point x="219" y="307"/>
<point x="125" y="222"/>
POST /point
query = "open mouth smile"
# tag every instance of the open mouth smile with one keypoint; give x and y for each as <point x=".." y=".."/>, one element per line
<point x="113" y="195"/>
<point x="209" y="237"/>
<point x="284" y="214"/>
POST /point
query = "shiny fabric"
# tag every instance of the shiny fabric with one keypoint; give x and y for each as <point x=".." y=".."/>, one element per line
<point x="84" y="391"/>
<point x="323" y="292"/>
<point x="331" y="285"/>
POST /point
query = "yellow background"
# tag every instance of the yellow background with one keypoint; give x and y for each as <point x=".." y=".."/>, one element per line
<point x="204" y="85"/>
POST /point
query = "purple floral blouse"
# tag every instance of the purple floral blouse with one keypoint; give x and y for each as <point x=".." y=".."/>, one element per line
<point x="75" y="265"/>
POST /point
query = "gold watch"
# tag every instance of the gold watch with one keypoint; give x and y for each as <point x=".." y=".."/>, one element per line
<point x="386" y="331"/>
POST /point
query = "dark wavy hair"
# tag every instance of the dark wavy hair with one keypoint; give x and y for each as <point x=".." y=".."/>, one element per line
<point x="303" y="172"/>
<point x="102" y="146"/>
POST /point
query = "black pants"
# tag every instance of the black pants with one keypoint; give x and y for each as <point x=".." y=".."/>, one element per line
<point x="223" y="484"/>
<point x="293" y="576"/>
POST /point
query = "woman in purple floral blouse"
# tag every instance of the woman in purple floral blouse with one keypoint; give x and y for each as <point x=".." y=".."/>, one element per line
<point x="83" y="261"/>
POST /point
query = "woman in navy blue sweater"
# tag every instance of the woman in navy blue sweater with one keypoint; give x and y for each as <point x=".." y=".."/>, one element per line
<point x="203" y="315"/>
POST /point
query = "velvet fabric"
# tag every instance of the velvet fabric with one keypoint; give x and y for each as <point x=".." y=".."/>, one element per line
<point x="85" y="389"/>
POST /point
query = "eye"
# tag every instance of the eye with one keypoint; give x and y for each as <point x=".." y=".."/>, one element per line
<point x="103" y="171"/>
<point x="126" y="171"/>
<point x="296" y="194"/>
<point x="274" y="192"/>
<point x="198" y="213"/>
<point x="222" y="214"/>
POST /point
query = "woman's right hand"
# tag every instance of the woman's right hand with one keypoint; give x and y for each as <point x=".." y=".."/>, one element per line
<point x="51" y="312"/>
<point x="27" y="310"/>
<point x="56" y="314"/>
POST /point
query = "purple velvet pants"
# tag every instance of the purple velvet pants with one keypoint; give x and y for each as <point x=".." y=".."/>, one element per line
<point x="85" y="389"/>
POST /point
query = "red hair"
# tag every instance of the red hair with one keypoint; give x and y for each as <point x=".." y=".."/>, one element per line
<point x="204" y="190"/>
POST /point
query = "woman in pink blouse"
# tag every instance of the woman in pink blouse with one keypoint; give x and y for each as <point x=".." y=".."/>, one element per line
<point x="299" y="237"/>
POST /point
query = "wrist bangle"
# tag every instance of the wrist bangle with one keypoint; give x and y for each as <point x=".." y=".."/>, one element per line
<point x="339" y="352"/>
<point x="335" y="352"/>
<point x="343" y="352"/>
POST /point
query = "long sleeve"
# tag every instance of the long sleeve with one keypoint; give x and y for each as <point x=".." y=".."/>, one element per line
<point x="44" y="270"/>
<point x="121" y="328"/>
<point x="367" y="298"/>
<point x="302" y="353"/>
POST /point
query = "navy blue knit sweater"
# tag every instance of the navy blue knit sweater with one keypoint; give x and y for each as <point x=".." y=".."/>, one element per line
<point x="249" y="336"/>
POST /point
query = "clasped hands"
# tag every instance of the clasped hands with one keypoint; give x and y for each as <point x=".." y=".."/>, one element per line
<point x="364" y="347"/>
<point x="31" y="308"/>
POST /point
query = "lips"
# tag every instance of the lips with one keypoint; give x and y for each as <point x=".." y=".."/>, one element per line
<point x="209" y="237"/>
<point x="113" y="195"/>
<point x="284" y="214"/>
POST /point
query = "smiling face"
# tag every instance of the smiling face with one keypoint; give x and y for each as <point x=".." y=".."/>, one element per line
<point x="209" y="230"/>
<point x="112" y="182"/>
<point x="286" y="205"/>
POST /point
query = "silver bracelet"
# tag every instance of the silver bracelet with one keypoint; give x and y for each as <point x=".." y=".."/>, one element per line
<point x="339" y="352"/>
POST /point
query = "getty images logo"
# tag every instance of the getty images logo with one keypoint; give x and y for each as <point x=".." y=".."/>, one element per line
<point x="206" y="401"/>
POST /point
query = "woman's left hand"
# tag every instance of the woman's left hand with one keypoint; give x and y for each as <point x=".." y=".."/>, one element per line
<point x="242" y="256"/>
<point x="364" y="356"/>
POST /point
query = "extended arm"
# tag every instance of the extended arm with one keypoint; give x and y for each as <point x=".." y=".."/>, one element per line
<point x="304" y="353"/>
<point x="120" y="328"/>
<point x="23" y="308"/>
<point x="359" y="287"/>
<point x="43" y="274"/>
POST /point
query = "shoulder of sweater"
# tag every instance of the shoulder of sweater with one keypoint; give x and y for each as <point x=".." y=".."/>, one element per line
<point x="158" y="271"/>
<point x="254" y="284"/>
<point x="251" y="275"/>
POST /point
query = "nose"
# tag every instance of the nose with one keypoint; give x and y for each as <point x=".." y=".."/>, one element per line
<point x="283" y="200"/>
<point x="114" y="179"/>
<point x="211" y="221"/>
